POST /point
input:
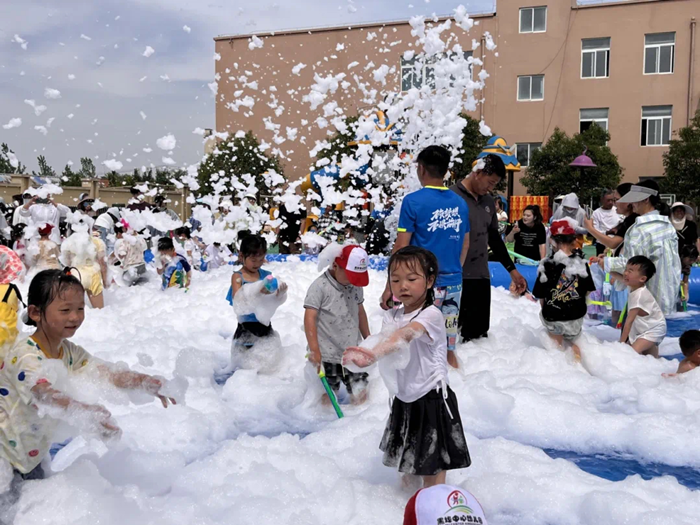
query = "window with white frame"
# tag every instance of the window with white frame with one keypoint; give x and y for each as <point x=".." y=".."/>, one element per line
<point x="531" y="87"/>
<point x="533" y="19"/>
<point x="416" y="73"/>
<point x="588" y="117"/>
<point x="595" y="57"/>
<point x="525" y="151"/>
<point x="659" y="53"/>
<point x="656" y="125"/>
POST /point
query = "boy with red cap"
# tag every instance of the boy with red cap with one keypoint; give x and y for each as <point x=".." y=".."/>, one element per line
<point x="563" y="282"/>
<point x="335" y="318"/>
<point x="49" y="252"/>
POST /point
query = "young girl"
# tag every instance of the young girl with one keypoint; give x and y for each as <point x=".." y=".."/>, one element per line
<point x="56" y="306"/>
<point x="87" y="253"/>
<point x="424" y="434"/>
<point x="128" y="252"/>
<point x="48" y="251"/>
<point x="10" y="269"/>
<point x="252" y="254"/>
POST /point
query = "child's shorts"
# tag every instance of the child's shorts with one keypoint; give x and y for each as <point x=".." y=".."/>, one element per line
<point x="354" y="382"/>
<point x="425" y="437"/>
<point x="570" y="330"/>
<point x="91" y="278"/>
<point x="248" y="333"/>
<point x="448" y="299"/>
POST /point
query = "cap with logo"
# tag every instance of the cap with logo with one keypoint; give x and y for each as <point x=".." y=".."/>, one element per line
<point x="353" y="259"/>
<point x="442" y="505"/>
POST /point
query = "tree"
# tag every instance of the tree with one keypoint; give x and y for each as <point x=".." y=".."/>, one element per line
<point x="236" y="157"/>
<point x="340" y="143"/>
<point x="549" y="172"/>
<point x="70" y="177"/>
<point x="5" y="163"/>
<point x="682" y="164"/>
<point x="473" y="143"/>
<point x="87" y="168"/>
<point x="45" y="171"/>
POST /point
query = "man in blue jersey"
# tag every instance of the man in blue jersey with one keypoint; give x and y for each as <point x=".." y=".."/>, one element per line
<point x="437" y="219"/>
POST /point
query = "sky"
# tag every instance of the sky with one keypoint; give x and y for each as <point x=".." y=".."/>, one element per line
<point x="108" y="96"/>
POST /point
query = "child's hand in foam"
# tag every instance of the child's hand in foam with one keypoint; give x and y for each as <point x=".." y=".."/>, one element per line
<point x="359" y="356"/>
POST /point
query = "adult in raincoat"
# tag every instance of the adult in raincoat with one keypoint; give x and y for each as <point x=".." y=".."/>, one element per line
<point x="653" y="236"/>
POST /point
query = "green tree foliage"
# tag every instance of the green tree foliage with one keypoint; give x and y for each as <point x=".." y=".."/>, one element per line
<point x="340" y="143"/>
<point x="682" y="164"/>
<point x="236" y="156"/>
<point x="473" y="143"/>
<point x="5" y="165"/>
<point x="87" y="168"/>
<point x="45" y="170"/>
<point x="70" y="177"/>
<point x="549" y="172"/>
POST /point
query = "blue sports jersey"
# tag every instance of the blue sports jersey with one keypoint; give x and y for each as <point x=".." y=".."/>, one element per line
<point x="438" y="220"/>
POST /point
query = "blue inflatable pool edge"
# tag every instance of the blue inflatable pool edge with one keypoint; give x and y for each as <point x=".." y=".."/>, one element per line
<point x="499" y="276"/>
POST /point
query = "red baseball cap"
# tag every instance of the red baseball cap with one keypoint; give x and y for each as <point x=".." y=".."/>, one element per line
<point x="441" y="505"/>
<point x="562" y="228"/>
<point x="353" y="259"/>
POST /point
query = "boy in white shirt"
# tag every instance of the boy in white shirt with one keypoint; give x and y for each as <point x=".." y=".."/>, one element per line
<point x="645" y="326"/>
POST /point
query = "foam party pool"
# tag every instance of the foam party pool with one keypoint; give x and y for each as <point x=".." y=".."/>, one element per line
<point x="552" y="442"/>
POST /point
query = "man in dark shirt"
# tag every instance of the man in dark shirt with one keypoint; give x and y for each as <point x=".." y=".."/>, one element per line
<point x="475" y="309"/>
<point x="288" y="231"/>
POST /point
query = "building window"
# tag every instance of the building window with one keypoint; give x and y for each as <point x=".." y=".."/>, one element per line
<point x="588" y="117"/>
<point x="531" y="87"/>
<point x="659" y="53"/>
<point x="595" y="58"/>
<point x="533" y="19"/>
<point x="416" y="74"/>
<point x="525" y="151"/>
<point x="656" y="125"/>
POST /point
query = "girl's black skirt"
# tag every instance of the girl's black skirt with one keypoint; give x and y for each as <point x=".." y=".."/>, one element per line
<point x="422" y="439"/>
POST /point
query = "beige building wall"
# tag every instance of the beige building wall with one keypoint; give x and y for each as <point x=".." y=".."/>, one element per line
<point x="555" y="53"/>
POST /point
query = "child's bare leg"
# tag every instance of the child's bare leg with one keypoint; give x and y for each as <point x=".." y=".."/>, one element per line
<point x="577" y="351"/>
<point x="437" y="479"/>
<point x="359" y="397"/>
<point x="615" y="317"/>
<point x="558" y="338"/>
<point x="410" y="482"/>
<point x="97" y="301"/>
<point x="646" y="347"/>
<point x="452" y="359"/>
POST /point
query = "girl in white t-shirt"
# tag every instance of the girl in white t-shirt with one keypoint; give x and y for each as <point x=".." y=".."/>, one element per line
<point x="424" y="434"/>
<point x="645" y="326"/>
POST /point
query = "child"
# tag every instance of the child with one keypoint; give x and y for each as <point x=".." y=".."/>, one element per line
<point x="335" y="319"/>
<point x="174" y="268"/>
<point x="564" y="280"/>
<point x="216" y="255"/>
<point x="424" y="434"/>
<point x="689" y="256"/>
<point x="690" y="346"/>
<point x="252" y="254"/>
<point x="57" y="309"/>
<point x="49" y="251"/>
<point x="19" y="244"/>
<point x="645" y="326"/>
<point x="10" y="269"/>
<point x="129" y="252"/>
<point x="187" y="247"/>
<point x="87" y="253"/>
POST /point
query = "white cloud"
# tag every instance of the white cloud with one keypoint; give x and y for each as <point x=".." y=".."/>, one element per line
<point x="52" y="94"/>
<point x="168" y="161"/>
<point x="13" y="123"/>
<point x="167" y="142"/>
<point x="113" y="165"/>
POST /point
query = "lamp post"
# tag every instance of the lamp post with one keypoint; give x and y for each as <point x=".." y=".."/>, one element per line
<point x="583" y="162"/>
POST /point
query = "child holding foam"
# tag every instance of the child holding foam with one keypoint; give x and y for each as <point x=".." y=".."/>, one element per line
<point x="56" y="307"/>
<point x="250" y="329"/>
<point x="645" y="326"/>
<point x="335" y="317"/>
<point x="563" y="282"/>
<point x="424" y="435"/>
<point x="174" y="268"/>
